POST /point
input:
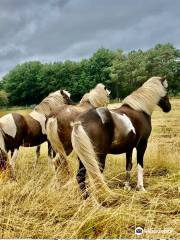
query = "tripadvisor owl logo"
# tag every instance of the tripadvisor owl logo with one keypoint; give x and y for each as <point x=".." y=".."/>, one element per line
<point x="139" y="231"/>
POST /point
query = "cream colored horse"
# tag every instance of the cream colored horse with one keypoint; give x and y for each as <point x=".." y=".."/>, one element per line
<point x="58" y="125"/>
<point x="27" y="130"/>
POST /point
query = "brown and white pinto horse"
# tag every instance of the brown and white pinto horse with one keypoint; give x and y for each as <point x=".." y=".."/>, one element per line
<point x="58" y="125"/>
<point x="27" y="130"/>
<point x="101" y="131"/>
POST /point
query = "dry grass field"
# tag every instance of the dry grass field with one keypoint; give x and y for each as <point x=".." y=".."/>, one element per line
<point x="33" y="207"/>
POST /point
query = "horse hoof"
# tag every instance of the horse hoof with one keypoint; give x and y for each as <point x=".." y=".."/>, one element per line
<point x="141" y="188"/>
<point x="85" y="195"/>
<point x="12" y="176"/>
<point x="13" y="179"/>
<point x="127" y="187"/>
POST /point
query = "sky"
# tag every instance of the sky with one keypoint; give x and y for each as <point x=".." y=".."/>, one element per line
<point x="58" y="30"/>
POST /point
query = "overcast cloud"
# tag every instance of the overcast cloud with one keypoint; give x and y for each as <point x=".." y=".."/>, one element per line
<point x="52" y="30"/>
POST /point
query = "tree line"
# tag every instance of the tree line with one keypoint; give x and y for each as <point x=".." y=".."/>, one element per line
<point x="121" y="72"/>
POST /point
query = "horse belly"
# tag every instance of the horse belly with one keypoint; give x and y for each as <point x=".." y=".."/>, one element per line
<point x="31" y="141"/>
<point x="34" y="134"/>
<point x="119" y="145"/>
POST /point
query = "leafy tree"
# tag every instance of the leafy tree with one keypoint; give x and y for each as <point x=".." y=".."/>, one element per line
<point x="21" y="84"/>
<point x="30" y="82"/>
<point x="3" y="98"/>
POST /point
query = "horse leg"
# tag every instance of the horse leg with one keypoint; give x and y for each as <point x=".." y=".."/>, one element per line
<point x="3" y="160"/>
<point x="101" y="158"/>
<point x="37" y="154"/>
<point x="141" y="148"/>
<point x="81" y="177"/>
<point x="128" y="169"/>
<point x="12" y="152"/>
<point x="51" y="153"/>
<point x="12" y="163"/>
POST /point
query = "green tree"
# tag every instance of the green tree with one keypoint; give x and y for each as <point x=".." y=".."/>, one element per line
<point x="30" y="82"/>
<point x="21" y="84"/>
<point x="3" y="98"/>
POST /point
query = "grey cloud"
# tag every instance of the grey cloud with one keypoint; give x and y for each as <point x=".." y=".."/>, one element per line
<point x="54" y="30"/>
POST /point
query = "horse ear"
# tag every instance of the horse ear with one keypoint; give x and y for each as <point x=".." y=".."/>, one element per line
<point x="163" y="78"/>
<point x="61" y="91"/>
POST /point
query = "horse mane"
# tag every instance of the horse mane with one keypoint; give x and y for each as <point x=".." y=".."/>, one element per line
<point x="52" y="101"/>
<point x="97" y="97"/>
<point x="147" y="96"/>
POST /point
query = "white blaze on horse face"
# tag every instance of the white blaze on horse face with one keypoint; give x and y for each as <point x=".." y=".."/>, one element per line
<point x="102" y="114"/>
<point x="40" y="118"/>
<point x="8" y="125"/>
<point x="108" y="92"/>
<point x="67" y="93"/>
<point x="165" y="83"/>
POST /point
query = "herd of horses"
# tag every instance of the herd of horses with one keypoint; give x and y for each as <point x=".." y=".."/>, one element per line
<point x="89" y="129"/>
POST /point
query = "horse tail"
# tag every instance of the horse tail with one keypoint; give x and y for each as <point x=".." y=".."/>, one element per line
<point x="53" y="137"/>
<point x="84" y="149"/>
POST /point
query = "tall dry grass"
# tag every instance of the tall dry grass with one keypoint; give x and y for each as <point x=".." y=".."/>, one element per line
<point x="36" y="207"/>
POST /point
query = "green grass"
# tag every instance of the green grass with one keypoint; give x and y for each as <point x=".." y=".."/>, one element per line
<point x="36" y="207"/>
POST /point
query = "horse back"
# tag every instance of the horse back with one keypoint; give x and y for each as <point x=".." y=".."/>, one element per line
<point x="99" y="126"/>
<point x="35" y="134"/>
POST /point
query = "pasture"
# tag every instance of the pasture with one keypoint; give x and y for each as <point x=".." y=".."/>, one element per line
<point x="33" y="207"/>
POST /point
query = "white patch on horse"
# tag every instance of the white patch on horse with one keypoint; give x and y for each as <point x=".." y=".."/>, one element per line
<point x="127" y="122"/>
<point x="101" y="111"/>
<point x="165" y="83"/>
<point x="67" y="93"/>
<point x="140" y="176"/>
<point x="8" y="125"/>
<point x="40" y="118"/>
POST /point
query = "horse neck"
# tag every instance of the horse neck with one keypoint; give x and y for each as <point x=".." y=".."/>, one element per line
<point x="145" y="100"/>
<point x="47" y="106"/>
<point x="42" y="110"/>
<point x="126" y="109"/>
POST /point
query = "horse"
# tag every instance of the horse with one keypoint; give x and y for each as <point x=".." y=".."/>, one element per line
<point x="27" y="130"/>
<point x="101" y="131"/>
<point x="58" y="124"/>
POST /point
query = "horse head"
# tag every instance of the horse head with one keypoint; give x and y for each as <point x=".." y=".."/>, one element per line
<point x="102" y="86"/>
<point x="66" y="97"/>
<point x="164" y="102"/>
